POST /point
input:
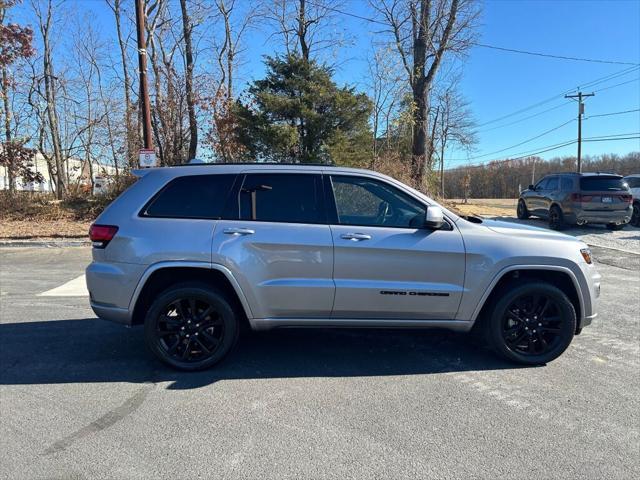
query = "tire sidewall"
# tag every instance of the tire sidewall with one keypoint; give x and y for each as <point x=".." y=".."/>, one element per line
<point x="557" y="225"/>
<point x="521" y="210"/>
<point x="217" y="300"/>
<point x="568" y="326"/>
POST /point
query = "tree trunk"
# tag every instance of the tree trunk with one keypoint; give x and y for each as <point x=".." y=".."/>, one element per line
<point x="50" y="97"/>
<point x="193" y="126"/>
<point x="130" y="131"/>
<point x="11" y="168"/>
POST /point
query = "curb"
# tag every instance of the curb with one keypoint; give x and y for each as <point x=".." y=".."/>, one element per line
<point x="53" y="243"/>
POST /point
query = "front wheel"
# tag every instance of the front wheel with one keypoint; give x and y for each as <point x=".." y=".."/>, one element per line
<point x="191" y="327"/>
<point x="532" y="323"/>
<point x="522" y="211"/>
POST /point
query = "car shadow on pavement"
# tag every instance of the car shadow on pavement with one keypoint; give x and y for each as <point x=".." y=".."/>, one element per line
<point x="92" y="350"/>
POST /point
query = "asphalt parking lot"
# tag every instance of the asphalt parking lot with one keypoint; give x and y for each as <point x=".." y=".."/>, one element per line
<point x="81" y="398"/>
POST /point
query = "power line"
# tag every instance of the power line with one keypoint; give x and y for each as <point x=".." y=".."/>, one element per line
<point x="523" y="142"/>
<point x="627" y="136"/>
<point x="483" y="45"/>
<point x="592" y="83"/>
<point x="563" y="104"/>
<point x="612" y="113"/>
<point x="618" y="84"/>
<point x="549" y="55"/>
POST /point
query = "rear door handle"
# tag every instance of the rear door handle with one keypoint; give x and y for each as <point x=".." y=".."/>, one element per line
<point x="239" y="231"/>
<point x="356" y="237"/>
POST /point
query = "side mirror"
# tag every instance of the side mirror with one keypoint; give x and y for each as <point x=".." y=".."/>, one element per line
<point x="531" y="187"/>
<point x="434" y="218"/>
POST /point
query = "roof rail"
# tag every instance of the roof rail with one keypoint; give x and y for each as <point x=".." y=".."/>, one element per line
<point x="317" y="164"/>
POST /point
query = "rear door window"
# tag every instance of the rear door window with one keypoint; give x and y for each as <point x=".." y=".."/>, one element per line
<point x="567" y="184"/>
<point x="282" y="197"/>
<point x="552" y="184"/>
<point x="602" y="184"/>
<point x="633" y="182"/>
<point x="192" y="196"/>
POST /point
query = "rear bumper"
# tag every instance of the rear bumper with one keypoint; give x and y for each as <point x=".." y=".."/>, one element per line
<point x="113" y="314"/>
<point x="599" y="216"/>
<point x="111" y="287"/>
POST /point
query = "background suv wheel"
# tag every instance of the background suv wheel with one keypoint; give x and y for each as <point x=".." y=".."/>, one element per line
<point x="191" y="326"/>
<point x="522" y="211"/>
<point x="532" y="323"/>
<point x="635" y="218"/>
<point x="556" y="219"/>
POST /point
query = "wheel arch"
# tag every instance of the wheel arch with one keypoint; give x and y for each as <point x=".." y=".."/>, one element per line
<point x="561" y="277"/>
<point x="160" y="276"/>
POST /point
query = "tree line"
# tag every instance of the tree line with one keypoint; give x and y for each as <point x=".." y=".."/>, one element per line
<point x="505" y="179"/>
<point x="71" y="91"/>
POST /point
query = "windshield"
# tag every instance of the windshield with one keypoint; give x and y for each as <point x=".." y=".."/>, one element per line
<point x="602" y="184"/>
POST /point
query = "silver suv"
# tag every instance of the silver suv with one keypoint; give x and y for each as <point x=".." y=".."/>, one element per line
<point x="196" y="252"/>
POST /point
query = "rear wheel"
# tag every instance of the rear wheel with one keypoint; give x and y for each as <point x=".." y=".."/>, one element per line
<point x="522" y="211"/>
<point x="191" y="327"/>
<point x="635" y="218"/>
<point x="532" y="323"/>
<point x="556" y="219"/>
<point x="613" y="226"/>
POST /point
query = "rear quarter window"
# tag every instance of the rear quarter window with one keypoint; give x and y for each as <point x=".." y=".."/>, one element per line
<point x="602" y="184"/>
<point x="192" y="196"/>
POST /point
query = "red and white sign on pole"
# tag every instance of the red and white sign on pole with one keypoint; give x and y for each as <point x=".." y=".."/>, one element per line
<point x="148" y="158"/>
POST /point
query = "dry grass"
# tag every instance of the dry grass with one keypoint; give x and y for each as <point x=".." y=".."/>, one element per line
<point x="484" y="207"/>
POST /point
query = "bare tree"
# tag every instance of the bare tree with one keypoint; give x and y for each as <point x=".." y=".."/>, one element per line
<point x="386" y="89"/>
<point x="45" y="25"/>
<point x="304" y="25"/>
<point x="187" y="29"/>
<point x="423" y="32"/>
<point x="131" y="130"/>
<point x="454" y="124"/>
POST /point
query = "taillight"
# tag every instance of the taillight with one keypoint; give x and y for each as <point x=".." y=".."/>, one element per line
<point x="576" y="197"/>
<point x="101" y="235"/>
<point x="627" y="198"/>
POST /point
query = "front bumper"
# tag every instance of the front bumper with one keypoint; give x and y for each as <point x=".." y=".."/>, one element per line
<point x="113" y="314"/>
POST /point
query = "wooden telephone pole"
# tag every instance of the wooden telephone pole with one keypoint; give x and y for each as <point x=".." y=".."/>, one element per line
<point x="142" y="65"/>
<point x="580" y="96"/>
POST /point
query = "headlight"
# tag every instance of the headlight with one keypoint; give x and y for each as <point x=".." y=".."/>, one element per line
<point x="586" y="254"/>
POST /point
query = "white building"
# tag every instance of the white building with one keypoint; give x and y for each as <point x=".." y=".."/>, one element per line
<point x="78" y="173"/>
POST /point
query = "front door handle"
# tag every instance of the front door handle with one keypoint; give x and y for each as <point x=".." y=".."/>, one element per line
<point x="356" y="237"/>
<point x="239" y="231"/>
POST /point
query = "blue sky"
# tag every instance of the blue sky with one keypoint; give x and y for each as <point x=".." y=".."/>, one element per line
<point x="499" y="83"/>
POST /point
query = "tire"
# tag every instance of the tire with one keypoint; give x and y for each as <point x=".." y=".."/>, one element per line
<point x="635" y="218"/>
<point x="556" y="219"/>
<point x="522" y="211"/>
<point x="532" y="323"/>
<point x="613" y="226"/>
<point x="191" y="326"/>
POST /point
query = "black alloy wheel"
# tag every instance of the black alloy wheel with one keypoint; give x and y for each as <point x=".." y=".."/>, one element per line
<point x="556" y="220"/>
<point x="635" y="217"/>
<point x="522" y="211"/>
<point x="533" y="323"/>
<point x="191" y="327"/>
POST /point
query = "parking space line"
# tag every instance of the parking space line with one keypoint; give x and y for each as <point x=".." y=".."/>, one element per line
<point x="73" y="288"/>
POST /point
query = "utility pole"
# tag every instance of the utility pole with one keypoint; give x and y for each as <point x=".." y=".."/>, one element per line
<point x="142" y="65"/>
<point x="580" y="96"/>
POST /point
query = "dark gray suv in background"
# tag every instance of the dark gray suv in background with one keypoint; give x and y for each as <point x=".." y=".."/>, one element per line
<point x="578" y="199"/>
